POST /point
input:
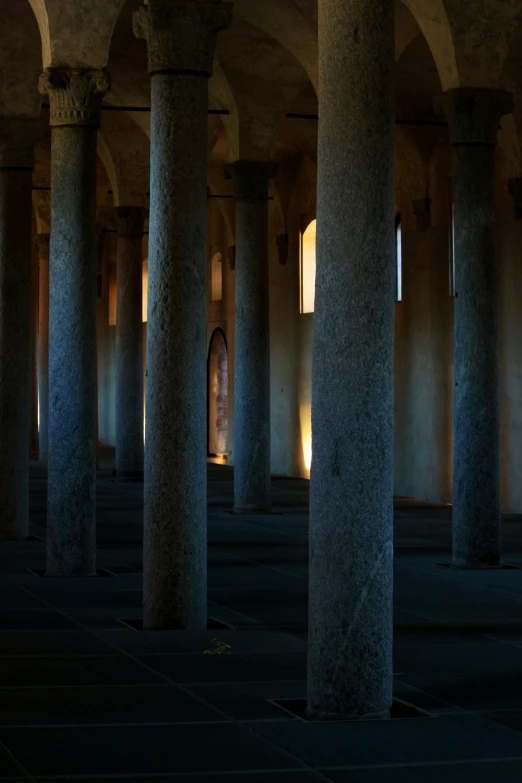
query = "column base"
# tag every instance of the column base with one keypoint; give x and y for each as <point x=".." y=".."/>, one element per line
<point x="480" y="566"/>
<point x="315" y="715"/>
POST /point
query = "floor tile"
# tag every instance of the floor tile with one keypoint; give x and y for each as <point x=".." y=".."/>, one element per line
<point x="39" y="619"/>
<point x="73" y="670"/>
<point x="230" y="668"/>
<point x="446" y="738"/>
<point x="101" y="705"/>
<point x="197" y="642"/>
<point x="250" y="701"/>
<point x="474" y="772"/>
<point x="143" y="749"/>
<point x="75" y="642"/>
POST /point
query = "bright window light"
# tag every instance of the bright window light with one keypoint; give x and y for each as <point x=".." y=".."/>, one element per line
<point x="398" y="261"/>
<point x="308" y="239"/>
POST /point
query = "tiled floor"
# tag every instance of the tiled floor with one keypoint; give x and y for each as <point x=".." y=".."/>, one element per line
<point x="84" y="696"/>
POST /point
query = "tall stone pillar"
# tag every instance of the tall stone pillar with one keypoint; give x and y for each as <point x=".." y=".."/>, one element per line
<point x="33" y="403"/>
<point x="474" y="117"/>
<point x="351" y="493"/>
<point x="16" y="163"/>
<point x="75" y="99"/>
<point x="180" y="39"/>
<point x="129" y="343"/>
<point x="252" y="338"/>
<point x="43" y="342"/>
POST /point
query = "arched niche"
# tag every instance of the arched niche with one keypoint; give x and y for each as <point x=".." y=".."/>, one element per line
<point x="217" y="395"/>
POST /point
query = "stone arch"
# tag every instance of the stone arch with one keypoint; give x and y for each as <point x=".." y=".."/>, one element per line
<point x="107" y="160"/>
<point x="287" y="26"/>
<point x="226" y="206"/>
<point x="222" y="96"/>
<point x="20" y="61"/>
<point x="217" y="391"/>
<point x="76" y="35"/>
<point x="432" y="19"/>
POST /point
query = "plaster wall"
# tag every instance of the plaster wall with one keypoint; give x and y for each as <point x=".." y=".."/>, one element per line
<point x="509" y="255"/>
<point x="424" y="369"/>
<point x="284" y="358"/>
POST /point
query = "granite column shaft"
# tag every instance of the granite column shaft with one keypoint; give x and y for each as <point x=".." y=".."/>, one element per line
<point x="474" y="116"/>
<point x="252" y="339"/>
<point x="180" y="39"/>
<point x="129" y="343"/>
<point x="75" y="98"/>
<point x="43" y="343"/>
<point x="15" y="332"/>
<point x="351" y="492"/>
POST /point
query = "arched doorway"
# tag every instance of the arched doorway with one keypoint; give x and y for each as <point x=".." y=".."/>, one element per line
<point x="218" y="396"/>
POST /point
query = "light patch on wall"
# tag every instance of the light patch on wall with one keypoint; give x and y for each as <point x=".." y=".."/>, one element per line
<point x="112" y="295"/>
<point x="398" y="262"/>
<point x="216" y="278"/>
<point x="307" y="267"/>
<point x="305" y="419"/>
<point x="144" y="290"/>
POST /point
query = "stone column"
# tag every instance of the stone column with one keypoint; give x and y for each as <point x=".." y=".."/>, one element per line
<point x="180" y="39"/>
<point x="474" y="117"/>
<point x="43" y="343"/>
<point x="33" y="404"/>
<point x="16" y="163"/>
<point x="75" y="98"/>
<point x="129" y="343"/>
<point x="351" y="492"/>
<point x="252" y="338"/>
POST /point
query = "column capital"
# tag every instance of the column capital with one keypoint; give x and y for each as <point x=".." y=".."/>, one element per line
<point x="130" y="221"/>
<point x="43" y="242"/>
<point x="75" y="95"/>
<point x="473" y="114"/>
<point x="17" y="138"/>
<point x="251" y="179"/>
<point x="181" y="36"/>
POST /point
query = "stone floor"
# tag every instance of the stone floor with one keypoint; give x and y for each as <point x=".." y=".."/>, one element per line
<point x="85" y="696"/>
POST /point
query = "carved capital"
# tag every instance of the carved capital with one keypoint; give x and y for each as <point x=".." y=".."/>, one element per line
<point x="474" y="114"/>
<point x="251" y="179"/>
<point x="17" y="138"/>
<point x="181" y="36"/>
<point x="422" y="211"/>
<point x="130" y="221"/>
<point x="44" y="241"/>
<point x="75" y="95"/>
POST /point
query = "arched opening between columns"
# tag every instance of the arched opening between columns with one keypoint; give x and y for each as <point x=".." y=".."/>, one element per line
<point x="217" y="396"/>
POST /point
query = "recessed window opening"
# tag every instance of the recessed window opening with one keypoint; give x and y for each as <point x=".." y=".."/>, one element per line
<point x="452" y="252"/>
<point x="144" y="289"/>
<point x="398" y="258"/>
<point x="218" y="396"/>
<point x="307" y="267"/>
<point x="216" y="278"/>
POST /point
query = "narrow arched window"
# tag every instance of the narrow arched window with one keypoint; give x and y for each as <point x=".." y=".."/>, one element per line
<point x="398" y="258"/>
<point x="144" y="289"/>
<point x="452" y="252"/>
<point x="307" y="266"/>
